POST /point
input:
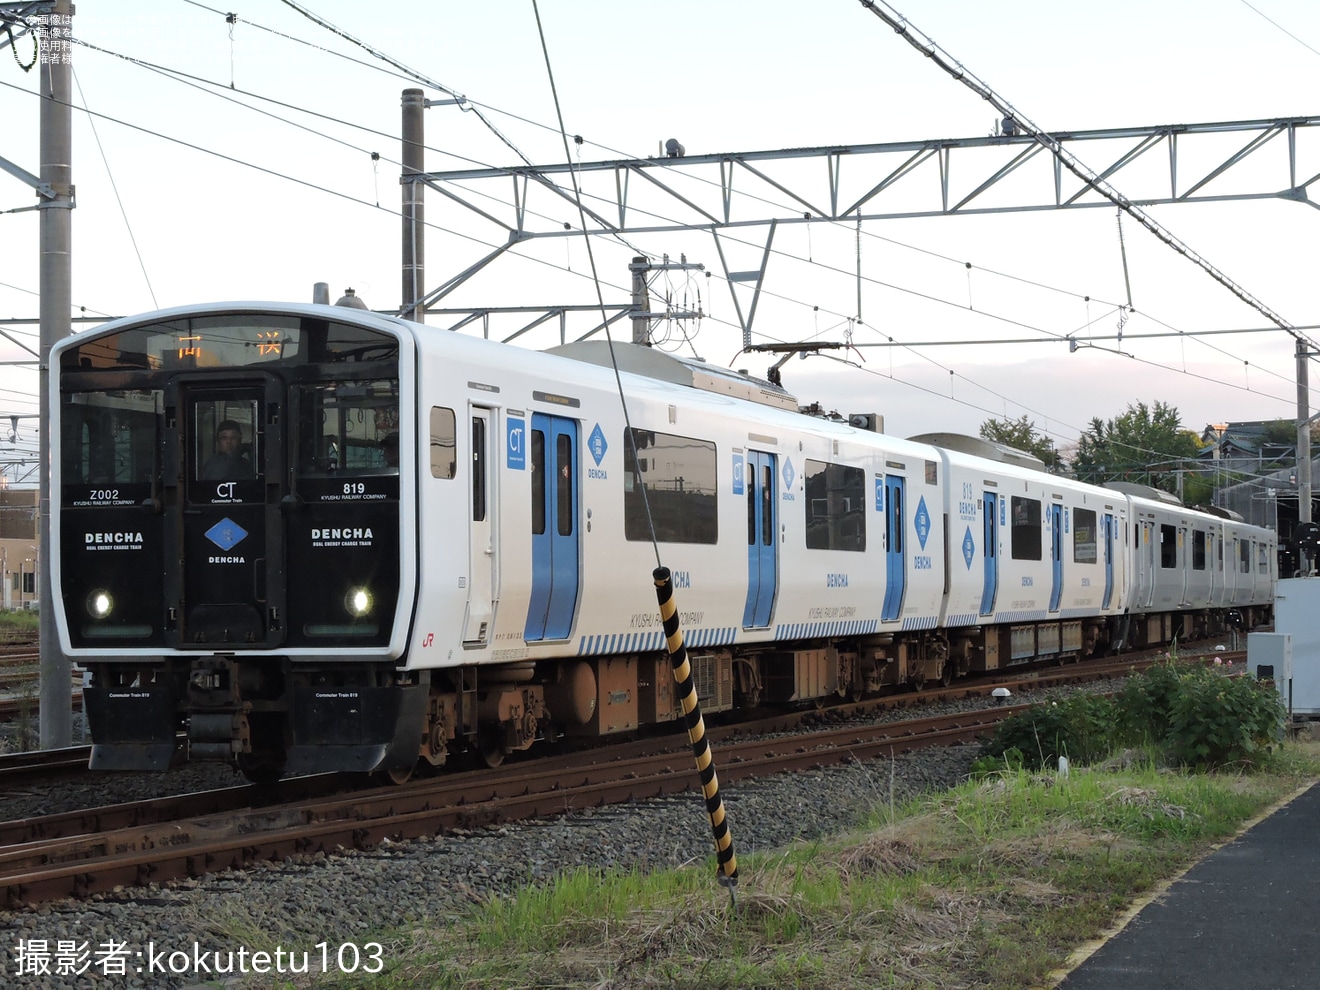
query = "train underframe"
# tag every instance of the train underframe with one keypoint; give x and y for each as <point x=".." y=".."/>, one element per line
<point x="272" y="716"/>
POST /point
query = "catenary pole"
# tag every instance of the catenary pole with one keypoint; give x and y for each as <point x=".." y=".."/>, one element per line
<point x="56" y="233"/>
<point x="414" y="163"/>
<point x="1303" y="447"/>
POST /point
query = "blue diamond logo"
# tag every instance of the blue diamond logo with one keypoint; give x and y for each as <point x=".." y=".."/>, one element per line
<point x="923" y="522"/>
<point x="788" y="475"/>
<point x="968" y="547"/>
<point x="226" y="534"/>
<point x="597" y="445"/>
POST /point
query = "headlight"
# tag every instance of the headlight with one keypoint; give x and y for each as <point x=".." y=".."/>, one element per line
<point x="100" y="604"/>
<point x="358" y="602"/>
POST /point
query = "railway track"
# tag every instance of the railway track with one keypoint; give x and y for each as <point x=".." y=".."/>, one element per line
<point x="42" y="765"/>
<point x="133" y="844"/>
<point x="85" y="853"/>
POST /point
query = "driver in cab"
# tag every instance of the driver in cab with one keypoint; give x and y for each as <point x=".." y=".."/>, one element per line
<point x="227" y="461"/>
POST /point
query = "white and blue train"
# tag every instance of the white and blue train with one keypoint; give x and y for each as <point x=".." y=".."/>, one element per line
<point x="303" y="538"/>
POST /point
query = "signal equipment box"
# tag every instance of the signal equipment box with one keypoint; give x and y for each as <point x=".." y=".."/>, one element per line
<point x="1297" y="616"/>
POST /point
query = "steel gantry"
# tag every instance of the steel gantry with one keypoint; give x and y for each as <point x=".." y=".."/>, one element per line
<point x="1175" y="163"/>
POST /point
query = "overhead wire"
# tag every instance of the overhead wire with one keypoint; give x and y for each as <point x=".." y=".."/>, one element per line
<point x="114" y="186"/>
<point x="479" y="241"/>
<point x="412" y="74"/>
<point x="1294" y="37"/>
<point x="609" y="338"/>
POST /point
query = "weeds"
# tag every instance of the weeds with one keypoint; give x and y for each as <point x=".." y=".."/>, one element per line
<point x="991" y="884"/>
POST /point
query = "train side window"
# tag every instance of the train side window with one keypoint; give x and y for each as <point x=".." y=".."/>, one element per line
<point x="1025" y="535"/>
<point x="1198" y="550"/>
<point x="478" y="470"/>
<point x="444" y="443"/>
<point x="1168" y="546"/>
<point x="564" y="484"/>
<point x="751" y="514"/>
<point x="1244" y="556"/>
<point x="1262" y="559"/>
<point x="1084" y="536"/>
<point x="835" y="506"/>
<point x="537" y="453"/>
<point x="679" y="476"/>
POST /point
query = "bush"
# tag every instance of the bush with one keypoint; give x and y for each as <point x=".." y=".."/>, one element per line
<point x="1145" y="702"/>
<point x="1080" y="728"/>
<point x="1197" y="716"/>
<point x="1216" y="720"/>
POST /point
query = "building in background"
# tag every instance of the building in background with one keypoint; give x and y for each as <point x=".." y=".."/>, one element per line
<point x="19" y="557"/>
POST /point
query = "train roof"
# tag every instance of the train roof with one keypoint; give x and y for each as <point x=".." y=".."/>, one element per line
<point x="988" y="449"/>
<point x="648" y="362"/>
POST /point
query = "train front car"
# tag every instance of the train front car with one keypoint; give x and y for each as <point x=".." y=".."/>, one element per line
<point x="226" y="504"/>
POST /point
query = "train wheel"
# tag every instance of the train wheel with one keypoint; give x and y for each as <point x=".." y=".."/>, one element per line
<point x="261" y="767"/>
<point x="401" y="775"/>
<point x="492" y="750"/>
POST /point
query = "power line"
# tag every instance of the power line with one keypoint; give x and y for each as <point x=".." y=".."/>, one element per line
<point x="1281" y="28"/>
<point x="413" y="75"/>
<point x="779" y="296"/>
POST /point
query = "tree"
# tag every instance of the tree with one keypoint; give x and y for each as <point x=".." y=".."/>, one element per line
<point x="1143" y="445"/>
<point x="1021" y="434"/>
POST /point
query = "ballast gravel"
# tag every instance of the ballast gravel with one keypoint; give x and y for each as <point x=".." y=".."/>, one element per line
<point x="346" y="900"/>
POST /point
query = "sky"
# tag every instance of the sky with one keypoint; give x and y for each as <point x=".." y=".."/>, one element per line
<point x="241" y="167"/>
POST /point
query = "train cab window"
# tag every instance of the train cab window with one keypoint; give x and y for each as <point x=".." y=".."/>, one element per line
<point x="225" y="440"/>
<point x="1168" y="546"/>
<point x="1198" y="550"/>
<point x="444" y="443"/>
<point x="1084" y="538"/>
<point x="679" y="476"/>
<point x="348" y="428"/>
<point x="835" y="506"/>
<point x="109" y="437"/>
<point x="1025" y="534"/>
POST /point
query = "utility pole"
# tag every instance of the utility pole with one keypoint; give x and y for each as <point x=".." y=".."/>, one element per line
<point x="414" y="240"/>
<point x="1303" y="448"/>
<point x="641" y="314"/>
<point x="56" y="722"/>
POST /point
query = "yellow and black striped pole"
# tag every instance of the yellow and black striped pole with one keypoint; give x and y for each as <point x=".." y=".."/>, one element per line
<point x="696" y="729"/>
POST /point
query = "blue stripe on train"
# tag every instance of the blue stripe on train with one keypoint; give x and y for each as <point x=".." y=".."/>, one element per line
<point x="723" y="636"/>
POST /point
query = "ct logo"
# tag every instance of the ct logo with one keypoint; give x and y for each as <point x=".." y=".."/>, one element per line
<point x="225" y="489"/>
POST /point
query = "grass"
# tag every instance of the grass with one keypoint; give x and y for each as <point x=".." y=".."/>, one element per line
<point x="19" y="626"/>
<point x="990" y="885"/>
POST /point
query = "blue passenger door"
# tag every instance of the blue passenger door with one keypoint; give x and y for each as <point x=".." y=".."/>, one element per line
<point x="762" y="546"/>
<point x="990" y="542"/>
<point x="1109" y="559"/>
<point x="1056" y="555"/>
<point x="553" y="452"/>
<point x="895" y="569"/>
